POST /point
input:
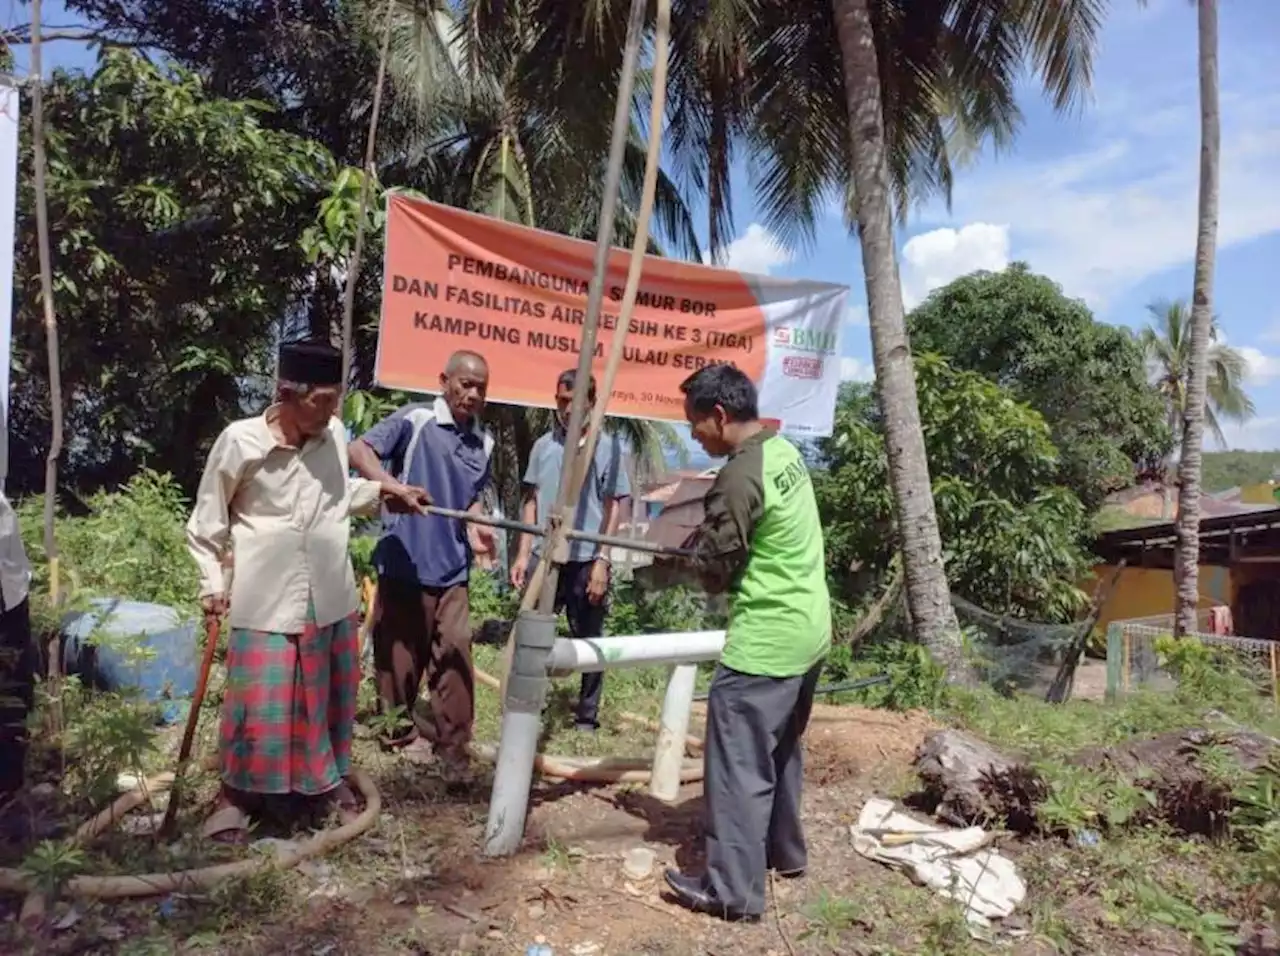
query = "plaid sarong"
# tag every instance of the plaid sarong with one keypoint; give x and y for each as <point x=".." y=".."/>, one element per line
<point x="289" y="708"/>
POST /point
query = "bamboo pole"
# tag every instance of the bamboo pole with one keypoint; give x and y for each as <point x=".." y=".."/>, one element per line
<point x="54" y="664"/>
<point x="357" y="250"/>
<point x="541" y="590"/>
<point x="521" y="723"/>
<point x="657" y="112"/>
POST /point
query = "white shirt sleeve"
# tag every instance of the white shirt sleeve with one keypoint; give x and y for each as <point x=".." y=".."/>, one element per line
<point x="363" y="497"/>
<point x="209" y="528"/>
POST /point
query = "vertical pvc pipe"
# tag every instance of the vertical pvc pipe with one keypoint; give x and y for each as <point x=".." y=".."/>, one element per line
<point x="668" y="756"/>
<point x="535" y="636"/>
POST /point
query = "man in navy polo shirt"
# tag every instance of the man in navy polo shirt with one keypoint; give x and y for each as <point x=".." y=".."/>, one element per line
<point x="582" y="589"/>
<point x="423" y="624"/>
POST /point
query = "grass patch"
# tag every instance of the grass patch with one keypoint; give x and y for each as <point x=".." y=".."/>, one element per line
<point x="637" y="691"/>
<point x="1135" y="885"/>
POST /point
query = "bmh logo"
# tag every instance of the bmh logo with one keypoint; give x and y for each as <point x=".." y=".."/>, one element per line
<point x="805" y="340"/>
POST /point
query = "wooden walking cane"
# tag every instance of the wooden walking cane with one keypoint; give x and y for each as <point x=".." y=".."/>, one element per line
<point x="212" y="622"/>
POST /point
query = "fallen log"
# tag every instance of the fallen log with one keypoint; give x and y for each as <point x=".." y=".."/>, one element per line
<point x="1191" y="774"/>
<point x="1181" y="754"/>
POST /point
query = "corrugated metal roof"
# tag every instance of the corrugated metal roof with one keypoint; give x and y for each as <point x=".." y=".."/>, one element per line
<point x="682" y="513"/>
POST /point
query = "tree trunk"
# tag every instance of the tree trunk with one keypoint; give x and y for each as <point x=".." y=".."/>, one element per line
<point x="367" y="174"/>
<point x="1186" y="568"/>
<point x="933" y="618"/>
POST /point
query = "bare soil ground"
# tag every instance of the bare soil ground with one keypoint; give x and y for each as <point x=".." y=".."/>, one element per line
<point x="418" y="884"/>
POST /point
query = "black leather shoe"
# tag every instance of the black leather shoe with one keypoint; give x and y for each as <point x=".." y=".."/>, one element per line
<point x="691" y="893"/>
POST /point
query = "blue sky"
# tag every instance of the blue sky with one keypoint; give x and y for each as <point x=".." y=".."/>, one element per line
<point x="1102" y="201"/>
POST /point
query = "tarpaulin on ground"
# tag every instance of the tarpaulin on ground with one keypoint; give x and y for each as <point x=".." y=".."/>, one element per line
<point x="518" y="296"/>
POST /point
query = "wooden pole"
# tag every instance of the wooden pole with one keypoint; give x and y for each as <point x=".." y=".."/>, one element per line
<point x="193" y="720"/>
<point x="353" y="264"/>
<point x="541" y="590"/>
<point x="653" y="156"/>
<point x="1059" y="690"/>
<point x="1275" y="674"/>
<point x="54" y="664"/>
<point x="46" y="295"/>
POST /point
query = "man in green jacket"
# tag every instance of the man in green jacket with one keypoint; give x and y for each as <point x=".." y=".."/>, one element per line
<point x="760" y="541"/>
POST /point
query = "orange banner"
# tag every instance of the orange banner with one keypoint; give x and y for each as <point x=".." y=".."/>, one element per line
<point x="518" y="296"/>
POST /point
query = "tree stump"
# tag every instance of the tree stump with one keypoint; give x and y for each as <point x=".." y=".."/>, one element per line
<point x="964" y="777"/>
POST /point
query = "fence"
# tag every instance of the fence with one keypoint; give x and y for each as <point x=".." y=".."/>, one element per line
<point x="1133" y="663"/>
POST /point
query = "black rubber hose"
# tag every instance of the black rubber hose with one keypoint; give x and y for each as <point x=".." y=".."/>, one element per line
<point x="835" y="688"/>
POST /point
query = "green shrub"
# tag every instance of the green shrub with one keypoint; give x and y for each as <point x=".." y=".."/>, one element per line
<point x="132" y="544"/>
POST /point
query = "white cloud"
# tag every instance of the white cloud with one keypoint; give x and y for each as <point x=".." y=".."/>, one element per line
<point x="855" y="370"/>
<point x="856" y="315"/>
<point x="1260" y="434"/>
<point x="1104" y="218"/>
<point x="1261" y="366"/>
<point x="932" y="259"/>
<point x="756" y="251"/>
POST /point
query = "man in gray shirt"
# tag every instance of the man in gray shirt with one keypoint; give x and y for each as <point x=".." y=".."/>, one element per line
<point x="583" y="587"/>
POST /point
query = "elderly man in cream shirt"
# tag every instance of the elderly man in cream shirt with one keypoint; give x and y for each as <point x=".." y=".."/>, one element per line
<point x="277" y="494"/>
<point x="17" y="654"/>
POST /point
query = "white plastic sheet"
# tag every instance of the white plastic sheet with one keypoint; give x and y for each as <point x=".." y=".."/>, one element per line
<point x="954" y="863"/>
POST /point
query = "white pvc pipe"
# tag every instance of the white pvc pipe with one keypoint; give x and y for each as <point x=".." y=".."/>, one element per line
<point x="512" y="782"/>
<point x="572" y="656"/>
<point x="673" y="728"/>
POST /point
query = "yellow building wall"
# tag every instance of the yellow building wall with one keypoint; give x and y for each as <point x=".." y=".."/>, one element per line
<point x="1262" y="494"/>
<point x="1147" y="592"/>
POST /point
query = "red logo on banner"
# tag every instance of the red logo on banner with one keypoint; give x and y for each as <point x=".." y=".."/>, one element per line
<point x="802" y="366"/>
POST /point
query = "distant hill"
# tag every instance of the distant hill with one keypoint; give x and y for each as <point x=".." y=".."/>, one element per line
<point x="1221" y="470"/>
<point x="1236" y="469"/>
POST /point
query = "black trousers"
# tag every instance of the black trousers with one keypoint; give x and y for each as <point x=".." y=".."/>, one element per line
<point x="17" y="693"/>
<point x="585" y="620"/>
<point x="754" y="772"/>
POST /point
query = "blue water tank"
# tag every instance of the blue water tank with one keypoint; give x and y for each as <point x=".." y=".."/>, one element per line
<point x="119" y="644"/>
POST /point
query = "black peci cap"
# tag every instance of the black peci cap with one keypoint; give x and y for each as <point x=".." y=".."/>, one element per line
<point x="310" y="363"/>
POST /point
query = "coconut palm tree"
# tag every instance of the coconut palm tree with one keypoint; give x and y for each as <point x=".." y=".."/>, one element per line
<point x="485" y="144"/>
<point x="923" y="85"/>
<point x="1167" y="344"/>
<point x="1187" y="557"/>
<point x="920" y="80"/>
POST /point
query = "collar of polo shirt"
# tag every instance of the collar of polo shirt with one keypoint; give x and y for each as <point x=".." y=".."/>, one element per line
<point x="444" y="415"/>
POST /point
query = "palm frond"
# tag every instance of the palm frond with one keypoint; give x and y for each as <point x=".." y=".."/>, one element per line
<point x="1166" y="342"/>
<point x="424" y="58"/>
<point x="1061" y="36"/>
<point x="500" y="183"/>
